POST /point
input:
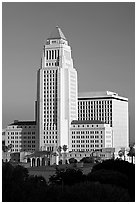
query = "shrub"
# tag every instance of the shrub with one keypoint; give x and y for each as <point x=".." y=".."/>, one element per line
<point x="72" y="161"/>
<point x="18" y="186"/>
<point x="87" y="192"/>
<point x="123" y="167"/>
<point x="67" y="176"/>
<point x="87" y="160"/>
<point x="108" y="177"/>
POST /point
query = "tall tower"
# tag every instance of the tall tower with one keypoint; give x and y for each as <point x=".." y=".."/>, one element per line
<point x="56" y="93"/>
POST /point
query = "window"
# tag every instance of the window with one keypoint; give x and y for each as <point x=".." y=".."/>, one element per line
<point x="52" y="54"/>
<point x="49" y="54"/>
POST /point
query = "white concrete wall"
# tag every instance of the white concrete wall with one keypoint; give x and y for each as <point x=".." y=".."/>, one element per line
<point x="18" y="133"/>
<point x="92" y="129"/>
<point x="64" y="91"/>
<point x="120" y="123"/>
<point x="108" y="137"/>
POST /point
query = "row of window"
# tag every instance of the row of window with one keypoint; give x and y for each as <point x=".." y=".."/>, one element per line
<point x="51" y="110"/>
<point x="90" y="106"/>
<point x="86" y="132"/>
<point x="50" y="72"/>
<point x="94" y="102"/>
<point x="50" y="107"/>
<point x="50" y="137"/>
<point x="50" y="114"/>
<point x="87" y="141"/>
<point x="85" y="126"/>
<point x="20" y="146"/>
<point x="47" y="91"/>
<point x="51" y="99"/>
<point x="16" y="141"/>
<point x="21" y="133"/>
<point x="87" y="136"/>
<point x="50" y="104"/>
<point x="50" y="148"/>
<point x="50" y="122"/>
<point x="50" y="126"/>
<point x="52" y="54"/>
<point x="50" y="91"/>
<point x="21" y="137"/>
<point x="87" y="146"/>
<point x="18" y="150"/>
<point x="53" y="132"/>
<point x="52" y="64"/>
<point x="103" y="115"/>
<point x="50" y="77"/>
<point x="95" y="108"/>
<point x="50" y="141"/>
<point x="50" y="85"/>
<point x="83" y="146"/>
<point x="80" y="155"/>
<point x="95" y="112"/>
<point x="20" y="126"/>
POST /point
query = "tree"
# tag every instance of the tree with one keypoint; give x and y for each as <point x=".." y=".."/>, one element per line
<point x="121" y="153"/>
<point x="55" y="154"/>
<point x="64" y="149"/>
<point x="16" y="185"/>
<point x="6" y="149"/>
<point x="72" y="161"/>
<point x="13" y="179"/>
<point x="123" y="167"/>
<point x="105" y="176"/>
<point x="87" y="160"/>
<point x="68" y="176"/>
<point x="59" y="149"/>
<point x="131" y="152"/>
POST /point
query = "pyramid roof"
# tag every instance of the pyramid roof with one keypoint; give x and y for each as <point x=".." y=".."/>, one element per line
<point x="57" y="34"/>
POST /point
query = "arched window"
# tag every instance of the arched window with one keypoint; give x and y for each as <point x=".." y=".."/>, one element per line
<point x="38" y="162"/>
<point x="28" y="160"/>
<point x="43" y="161"/>
<point x="33" y="162"/>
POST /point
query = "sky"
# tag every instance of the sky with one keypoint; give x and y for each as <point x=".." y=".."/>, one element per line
<point x="102" y="38"/>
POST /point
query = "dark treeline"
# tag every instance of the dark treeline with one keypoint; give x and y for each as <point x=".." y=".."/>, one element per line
<point x="110" y="181"/>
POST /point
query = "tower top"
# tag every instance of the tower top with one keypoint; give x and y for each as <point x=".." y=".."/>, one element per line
<point x="57" y="34"/>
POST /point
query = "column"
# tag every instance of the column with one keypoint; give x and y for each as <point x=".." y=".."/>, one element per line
<point x="40" y="161"/>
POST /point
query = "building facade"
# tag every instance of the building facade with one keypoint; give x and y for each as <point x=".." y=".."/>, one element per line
<point x="56" y="93"/>
<point x="85" y="123"/>
<point x="90" y="136"/>
<point x="110" y="108"/>
<point x="22" y="136"/>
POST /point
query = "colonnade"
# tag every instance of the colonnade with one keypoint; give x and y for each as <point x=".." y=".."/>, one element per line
<point x="43" y="160"/>
<point x="39" y="161"/>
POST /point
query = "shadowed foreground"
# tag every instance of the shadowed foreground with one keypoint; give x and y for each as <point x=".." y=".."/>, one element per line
<point x="110" y="181"/>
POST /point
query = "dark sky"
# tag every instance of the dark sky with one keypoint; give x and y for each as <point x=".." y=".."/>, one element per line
<point x="101" y="35"/>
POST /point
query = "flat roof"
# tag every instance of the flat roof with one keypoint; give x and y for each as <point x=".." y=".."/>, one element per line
<point x="38" y="154"/>
<point x="87" y="122"/>
<point x="23" y="123"/>
<point x="100" y="95"/>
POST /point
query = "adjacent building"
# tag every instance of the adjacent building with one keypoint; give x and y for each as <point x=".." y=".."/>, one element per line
<point x="110" y="108"/>
<point x="90" y="135"/>
<point x="22" y="136"/>
<point x="3" y="136"/>
<point x="56" y="93"/>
